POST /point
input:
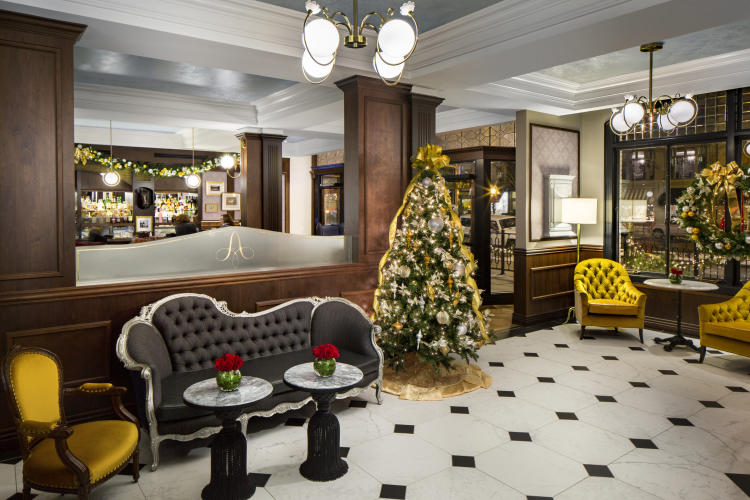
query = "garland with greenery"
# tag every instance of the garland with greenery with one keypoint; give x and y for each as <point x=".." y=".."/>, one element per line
<point x="703" y="205"/>
<point x="87" y="157"/>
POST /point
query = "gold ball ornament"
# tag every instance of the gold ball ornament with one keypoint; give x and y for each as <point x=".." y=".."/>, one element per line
<point x="445" y="350"/>
<point x="727" y="246"/>
<point x="684" y="214"/>
<point x="696" y="230"/>
<point x="442" y="317"/>
<point x="691" y="214"/>
<point x="397" y="326"/>
<point x="693" y="236"/>
<point x="404" y="271"/>
<point x="448" y="265"/>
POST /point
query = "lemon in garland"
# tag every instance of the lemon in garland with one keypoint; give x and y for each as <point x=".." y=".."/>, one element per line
<point x="691" y="214"/>
<point x="684" y="214"/>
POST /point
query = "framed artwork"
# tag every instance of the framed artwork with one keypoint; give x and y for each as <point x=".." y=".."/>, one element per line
<point x="230" y="201"/>
<point x="554" y="159"/>
<point x="143" y="223"/>
<point x="214" y="188"/>
<point x="212" y="208"/>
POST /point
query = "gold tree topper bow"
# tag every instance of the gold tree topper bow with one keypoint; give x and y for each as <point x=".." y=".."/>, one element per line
<point x="723" y="179"/>
<point x="431" y="156"/>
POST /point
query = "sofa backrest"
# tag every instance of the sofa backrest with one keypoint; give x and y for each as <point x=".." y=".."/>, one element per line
<point x="197" y="331"/>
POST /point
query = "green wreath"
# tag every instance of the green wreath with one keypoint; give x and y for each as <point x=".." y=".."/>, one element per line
<point x="706" y="196"/>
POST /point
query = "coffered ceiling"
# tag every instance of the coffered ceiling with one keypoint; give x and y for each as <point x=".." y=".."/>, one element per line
<point x="158" y="69"/>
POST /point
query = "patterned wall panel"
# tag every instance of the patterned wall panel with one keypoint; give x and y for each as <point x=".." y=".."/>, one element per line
<point x="331" y="157"/>
<point x="501" y="134"/>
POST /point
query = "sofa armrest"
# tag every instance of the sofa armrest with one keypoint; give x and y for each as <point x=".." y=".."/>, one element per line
<point x="341" y="323"/>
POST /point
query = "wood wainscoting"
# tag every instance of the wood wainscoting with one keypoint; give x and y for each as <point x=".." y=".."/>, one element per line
<point x="544" y="282"/>
<point x="81" y="324"/>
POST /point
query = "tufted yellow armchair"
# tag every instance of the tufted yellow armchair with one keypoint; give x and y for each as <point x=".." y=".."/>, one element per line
<point x="58" y="457"/>
<point x="725" y="325"/>
<point x="604" y="296"/>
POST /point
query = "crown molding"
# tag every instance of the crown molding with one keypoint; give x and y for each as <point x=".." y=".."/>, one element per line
<point x="461" y="118"/>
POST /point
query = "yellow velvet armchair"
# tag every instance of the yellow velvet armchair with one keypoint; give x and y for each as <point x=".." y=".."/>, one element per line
<point x="725" y="325"/>
<point x="58" y="457"/>
<point x="605" y="297"/>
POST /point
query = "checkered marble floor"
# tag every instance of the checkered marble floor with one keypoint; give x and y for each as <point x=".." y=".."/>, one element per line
<point x="569" y="419"/>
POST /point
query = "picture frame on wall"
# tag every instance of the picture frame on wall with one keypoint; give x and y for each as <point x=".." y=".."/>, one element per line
<point x="211" y="208"/>
<point x="230" y="202"/>
<point x="554" y="159"/>
<point x="214" y="188"/>
<point x="144" y="223"/>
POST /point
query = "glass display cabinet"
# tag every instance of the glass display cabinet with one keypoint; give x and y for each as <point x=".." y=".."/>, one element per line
<point x="328" y="200"/>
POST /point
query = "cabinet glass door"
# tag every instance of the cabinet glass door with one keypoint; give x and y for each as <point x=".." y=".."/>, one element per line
<point x="459" y="179"/>
<point x="502" y="200"/>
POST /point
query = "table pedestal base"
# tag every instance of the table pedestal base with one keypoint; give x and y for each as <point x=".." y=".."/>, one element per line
<point x="229" y="479"/>
<point x="670" y="343"/>
<point x="324" y="462"/>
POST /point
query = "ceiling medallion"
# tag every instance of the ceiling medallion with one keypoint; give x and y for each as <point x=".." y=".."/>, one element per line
<point x="665" y="113"/>
<point x="395" y="42"/>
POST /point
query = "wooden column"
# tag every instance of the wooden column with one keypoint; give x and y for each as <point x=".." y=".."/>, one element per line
<point x="36" y="141"/>
<point x="260" y="184"/>
<point x="423" y="120"/>
<point x="377" y="140"/>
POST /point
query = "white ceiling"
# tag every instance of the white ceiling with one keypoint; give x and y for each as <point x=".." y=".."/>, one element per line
<point x="158" y="69"/>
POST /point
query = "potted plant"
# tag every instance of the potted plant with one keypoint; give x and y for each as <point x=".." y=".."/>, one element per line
<point x="325" y="359"/>
<point x="228" y="377"/>
<point x="675" y="276"/>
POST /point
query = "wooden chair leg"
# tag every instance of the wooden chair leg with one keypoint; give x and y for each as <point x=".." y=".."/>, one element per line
<point x="26" y="492"/>
<point x="136" y="466"/>
<point x="640" y="332"/>
<point x="83" y="492"/>
<point x="702" y="354"/>
<point x="583" y="332"/>
<point x="617" y="329"/>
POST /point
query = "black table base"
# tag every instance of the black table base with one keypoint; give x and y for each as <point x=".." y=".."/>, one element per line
<point x="678" y="339"/>
<point x="324" y="462"/>
<point x="229" y="479"/>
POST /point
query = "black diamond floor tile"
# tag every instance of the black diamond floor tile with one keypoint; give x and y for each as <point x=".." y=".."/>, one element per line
<point x="562" y="346"/>
<point x="581" y="368"/>
<point x="462" y="461"/>
<point x="531" y="355"/>
<point x="588" y="337"/>
<point x="463" y="410"/>
<point x="742" y="481"/>
<point x="534" y="497"/>
<point x="711" y="404"/>
<point x="691" y="360"/>
<point x="636" y="348"/>
<point x="520" y="436"/>
<point x="639" y="384"/>
<point x="393" y="491"/>
<point x="644" y="443"/>
<point x="606" y="399"/>
<point x="566" y="415"/>
<point x="295" y="421"/>
<point x="19" y="496"/>
<point x="598" y="470"/>
<point x="496" y="363"/>
<point x="344" y="451"/>
<point x="610" y="358"/>
<point x="714" y="351"/>
<point x="506" y="394"/>
<point x="680" y="421"/>
<point x="357" y="403"/>
<point x="735" y="388"/>
<point x="259" y="479"/>
<point x="668" y="372"/>
<point x="403" y="429"/>
<point x="546" y="380"/>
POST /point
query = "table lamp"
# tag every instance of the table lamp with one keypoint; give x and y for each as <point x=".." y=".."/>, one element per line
<point x="578" y="211"/>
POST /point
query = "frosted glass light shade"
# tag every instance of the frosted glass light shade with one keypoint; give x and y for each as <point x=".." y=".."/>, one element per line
<point x="665" y="123"/>
<point x="314" y="70"/>
<point x="682" y="111"/>
<point x="633" y="113"/>
<point x="227" y="162"/>
<point x="618" y="123"/>
<point x="322" y="40"/>
<point x="111" y="178"/>
<point x="747" y="148"/>
<point x="386" y="71"/>
<point x="193" y="181"/>
<point x="578" y="210"/>
<point x="396" y="38"/>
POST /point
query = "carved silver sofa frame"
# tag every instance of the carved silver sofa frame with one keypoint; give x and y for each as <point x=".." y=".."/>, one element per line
<point x="146" y="316"/>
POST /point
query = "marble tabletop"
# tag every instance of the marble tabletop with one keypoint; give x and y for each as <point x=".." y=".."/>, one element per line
<point x="685" y="285"/>
<point x="206" y="394"/>
<point x="304" y="377"/>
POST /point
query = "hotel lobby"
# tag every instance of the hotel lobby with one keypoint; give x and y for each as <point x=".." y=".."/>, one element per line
<point x="361" y="249"/>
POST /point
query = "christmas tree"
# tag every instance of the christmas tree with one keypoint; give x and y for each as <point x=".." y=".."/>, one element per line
<point x="427" y="301"/>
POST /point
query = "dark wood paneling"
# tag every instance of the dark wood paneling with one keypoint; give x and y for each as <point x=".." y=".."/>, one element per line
<point x="286" y="174"/>
<point x="272" y="185"/>
<point x="249" y="183"/>
<point x="36" y="140"/>
<point x="363" y="298"/>
<point x="423" y="120"/>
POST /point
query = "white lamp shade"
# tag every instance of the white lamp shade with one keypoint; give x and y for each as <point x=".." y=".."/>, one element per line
<point x="618" y="123"/>
<point x="314" y="70"/>
<point x="396" y="38"/>
<point x="386" y="71"/>
<point x="578" y="210"/>
<point x="111" y="178"/>
<point x="665" y="123"/>
<point x="193" y="181"/>
<point x="633" y="113"/>
<point x="322" y="40"/>
<point x="747" y="148"/>
<point x="227" y="162"/>
<point x="682" y="111"/>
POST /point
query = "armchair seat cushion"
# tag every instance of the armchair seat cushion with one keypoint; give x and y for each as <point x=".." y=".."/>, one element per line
<point x="612" y="307"/>
<point x="103" y="446"/>
<point x="737" y="330"/>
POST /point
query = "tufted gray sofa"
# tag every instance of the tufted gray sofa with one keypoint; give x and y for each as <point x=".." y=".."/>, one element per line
<point x="175" y="341"/>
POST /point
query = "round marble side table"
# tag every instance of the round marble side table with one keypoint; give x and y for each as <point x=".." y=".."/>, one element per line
<point x="679" y="339"/>
<point x="229" y="479"/>
<point x="324" y="462"/>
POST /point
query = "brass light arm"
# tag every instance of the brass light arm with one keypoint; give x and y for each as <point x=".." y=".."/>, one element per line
<point x="364" y="24"/>
<point x="346" y="24"/>
<point x="369" y="25"/>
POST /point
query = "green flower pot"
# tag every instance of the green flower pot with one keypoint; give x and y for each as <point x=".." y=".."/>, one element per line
<point x="229" y="381"/>
<point x="675" y="279"/>
<point x="324" y="367"/>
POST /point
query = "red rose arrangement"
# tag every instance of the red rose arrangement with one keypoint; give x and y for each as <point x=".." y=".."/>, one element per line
<point x="325" y="351"/>
<point x="228" y="363"/>
<point x="675" y="271"/>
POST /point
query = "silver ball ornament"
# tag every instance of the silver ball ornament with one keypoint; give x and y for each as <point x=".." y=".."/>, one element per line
<point x="460" y="269"/>
<point x="461" y="330"/>
<point x="442" y="317"/>
<point x="427" y="182"/>
<point x="404" y="271"/>
<point x="436" y="224"/>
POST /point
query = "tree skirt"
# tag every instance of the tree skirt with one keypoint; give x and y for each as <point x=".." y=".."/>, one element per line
<point x="418" y="381"/>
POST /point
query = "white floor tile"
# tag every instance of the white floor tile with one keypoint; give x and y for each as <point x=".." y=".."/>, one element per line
<point x="461" y="483"/>
<point x="702" y="448"/>
<point x="659" y="402"/>
<point x="556" y="397"/>
<point x="460" y="434"/>
<point x="625" y="421"/>
<point x="582" y="442"/>
<point x="288" y="484"/>
<point x="599" y="488"/>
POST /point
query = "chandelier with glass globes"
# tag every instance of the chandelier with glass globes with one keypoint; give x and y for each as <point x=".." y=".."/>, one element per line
<point x="395" y="43"/>
<point x="664" y="113"/>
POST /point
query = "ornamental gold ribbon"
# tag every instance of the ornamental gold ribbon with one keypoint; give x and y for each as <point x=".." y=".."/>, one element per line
<point x="723" y="179"/>
<point x="432" y="157"/>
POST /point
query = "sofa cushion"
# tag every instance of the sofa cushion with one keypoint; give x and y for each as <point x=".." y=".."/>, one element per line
<point x="197" y="333"/>
<point x="612" y="307"/>
<point x="269" y="368"/>
<point x="737" y="330"/>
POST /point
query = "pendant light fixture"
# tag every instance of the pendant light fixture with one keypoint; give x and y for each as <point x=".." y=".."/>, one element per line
<point x="229" y="163"/>
<point x="395" y="43"/>
<point x="193" y="180"/>
<point x="665" y="113"/>
<point x="111" y="178"/>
